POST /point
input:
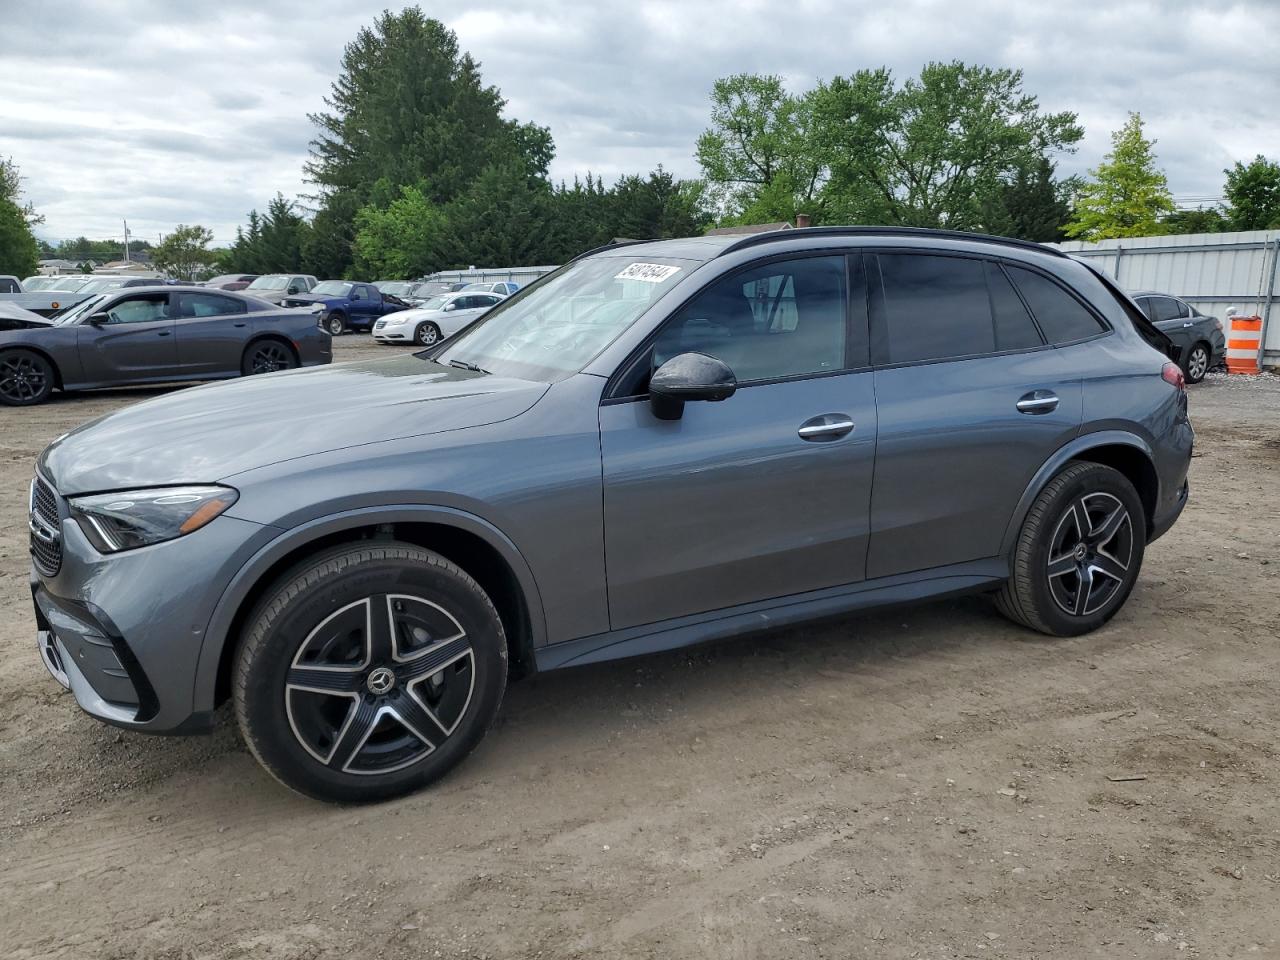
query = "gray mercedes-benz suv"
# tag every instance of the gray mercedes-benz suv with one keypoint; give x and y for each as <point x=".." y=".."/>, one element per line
<point x="658" y="444"/>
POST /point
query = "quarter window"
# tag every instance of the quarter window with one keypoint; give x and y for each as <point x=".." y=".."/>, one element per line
<point x="1061" y="316"/>
<point x="936" y="308"/>
<point x="783" y="319"/>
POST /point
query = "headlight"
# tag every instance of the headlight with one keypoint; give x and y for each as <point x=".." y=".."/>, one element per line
<point x="137" y="518"/>
<point x="317" y="308"/>
<point x="394" y="321"/>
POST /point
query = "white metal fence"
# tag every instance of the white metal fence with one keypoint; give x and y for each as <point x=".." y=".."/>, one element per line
<point x="520" y="275"/>
<point x="1212" y="271"/>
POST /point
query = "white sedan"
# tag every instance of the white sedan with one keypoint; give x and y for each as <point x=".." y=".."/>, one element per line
<point x="437" y="319"/>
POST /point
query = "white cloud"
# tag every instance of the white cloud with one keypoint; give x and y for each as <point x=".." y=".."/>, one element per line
<point x="166" y="113"/>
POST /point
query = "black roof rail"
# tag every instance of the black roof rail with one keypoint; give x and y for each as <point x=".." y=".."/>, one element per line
<point x="866" y="231"/>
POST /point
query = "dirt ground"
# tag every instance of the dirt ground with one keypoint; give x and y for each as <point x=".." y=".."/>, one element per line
<point x="930" y="782"/>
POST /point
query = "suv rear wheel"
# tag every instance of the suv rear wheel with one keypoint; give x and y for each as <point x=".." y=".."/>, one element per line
<point x="1078" y="553"/>
<point x="368" y="672"/>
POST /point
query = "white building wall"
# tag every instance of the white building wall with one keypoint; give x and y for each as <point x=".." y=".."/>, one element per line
<point x="1213" y="271"/>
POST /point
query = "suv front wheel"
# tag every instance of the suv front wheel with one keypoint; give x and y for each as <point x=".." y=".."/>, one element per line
<point x="369" y="671"/>
<point x="1078" y="553"/>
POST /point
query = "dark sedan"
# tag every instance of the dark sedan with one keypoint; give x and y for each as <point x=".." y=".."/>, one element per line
<point x="1200" y="341"/>
<point x="157" y="334"/>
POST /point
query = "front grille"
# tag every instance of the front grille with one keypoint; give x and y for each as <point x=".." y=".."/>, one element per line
<point x="46" y="536"/>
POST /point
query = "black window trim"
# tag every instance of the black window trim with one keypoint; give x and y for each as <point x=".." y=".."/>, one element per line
<point x="625" y="370"/>
<point x="879" y="329"/>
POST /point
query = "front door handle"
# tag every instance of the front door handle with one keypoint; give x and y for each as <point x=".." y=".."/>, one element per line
<point x="162" y="333"/>
<point x="829" y="426"/>
<point x="1038" y="401"/>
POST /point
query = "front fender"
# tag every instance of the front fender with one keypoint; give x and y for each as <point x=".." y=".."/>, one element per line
<point x="217" y="634"/>
<point x="1068" y="451"/>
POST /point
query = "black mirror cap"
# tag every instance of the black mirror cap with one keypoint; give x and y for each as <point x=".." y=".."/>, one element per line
<point x="689" y="376"/>
<point x="98" y="319"/>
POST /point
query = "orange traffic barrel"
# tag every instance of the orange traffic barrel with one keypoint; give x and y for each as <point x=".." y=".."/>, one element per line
<point x="1243" y="343"/>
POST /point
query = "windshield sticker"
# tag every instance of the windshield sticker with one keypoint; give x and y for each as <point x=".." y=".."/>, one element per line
<point x="648" y="272"/>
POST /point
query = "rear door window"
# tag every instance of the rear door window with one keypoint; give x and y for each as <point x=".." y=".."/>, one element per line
<point x="936" y="307"/>
<point x="208" y="305"/>
<point x="1015" y="330"/>
<point x="1166" y="308"/>
<point x="1060" y="315"/>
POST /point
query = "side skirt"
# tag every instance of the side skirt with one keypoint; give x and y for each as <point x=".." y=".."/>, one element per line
<point x="961" y="578"/>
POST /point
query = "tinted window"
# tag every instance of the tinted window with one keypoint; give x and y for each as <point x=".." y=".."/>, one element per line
<point x="207" y="305"/>
<point x="1144" y="303"/>
<point x="1061" y="316"/>
<point x="1015" y="329"/>
<point x="1166" y="308"/>
<point x="935" y="307"/>
<point x="8" y="286"/>
<point x="783" y="319"/>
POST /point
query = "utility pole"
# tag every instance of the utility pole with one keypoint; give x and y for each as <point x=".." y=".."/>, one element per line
<point x="126" y="240"/>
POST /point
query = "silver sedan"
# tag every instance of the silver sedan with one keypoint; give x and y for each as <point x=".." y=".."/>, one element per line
<point x="437" y="319"/>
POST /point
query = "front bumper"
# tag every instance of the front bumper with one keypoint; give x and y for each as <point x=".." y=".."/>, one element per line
<point x="124" y="632"/>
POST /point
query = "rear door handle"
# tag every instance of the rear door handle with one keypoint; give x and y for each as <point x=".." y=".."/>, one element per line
<point x="829" y="426"/>
<point x="1038" y="401"/>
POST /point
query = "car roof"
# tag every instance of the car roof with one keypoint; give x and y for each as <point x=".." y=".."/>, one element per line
<point x="1152" y="293"/>
<point x="703" y="249"/>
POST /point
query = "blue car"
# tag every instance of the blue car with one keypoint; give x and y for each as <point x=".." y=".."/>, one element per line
<point x="347" y="304"/>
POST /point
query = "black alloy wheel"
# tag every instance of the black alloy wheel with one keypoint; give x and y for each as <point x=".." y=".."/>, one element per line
<point x="1090" y="553"/>
<point x="267" y="356"/>
<point x="26" y="378"/>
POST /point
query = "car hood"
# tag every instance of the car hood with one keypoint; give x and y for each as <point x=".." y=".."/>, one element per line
<point x="16" y="318"/>
<point x="308" y="298"/>
<point x="213" y="432"/>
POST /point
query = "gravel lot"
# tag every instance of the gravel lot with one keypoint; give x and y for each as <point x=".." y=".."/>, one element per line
<point x="930" y="782"/>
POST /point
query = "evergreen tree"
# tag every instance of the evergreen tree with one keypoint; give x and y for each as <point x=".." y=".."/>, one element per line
<point x="1032" y="205"/>
<point x="1128" y="193"/>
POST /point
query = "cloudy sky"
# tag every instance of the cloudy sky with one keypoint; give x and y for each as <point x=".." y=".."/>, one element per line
<point x="167" y="113"/>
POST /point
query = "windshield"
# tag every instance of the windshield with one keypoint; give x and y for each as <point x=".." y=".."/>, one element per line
<point x="272" y="282"/>
<point x="435" y="303"/>
<point x="556" y="327"/>
<point x="396" y="289"/>
<point x="100" y="284"/>
<point x="82" y="309"/>
<point x="70" y="284"/>
<point x="331" y="288"/>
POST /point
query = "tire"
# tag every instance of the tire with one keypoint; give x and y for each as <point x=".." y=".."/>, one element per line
<point x="1053" y="562"/>
<point x="26" y="378"/>
<point x="1198" y="359"/>
<point x="427" y="335"/>
<point x="335" y="321"/>
<point x="344" y="714"/>
<point x="267" y="356"/>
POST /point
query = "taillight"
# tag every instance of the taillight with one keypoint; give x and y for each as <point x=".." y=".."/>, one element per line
<point x="1171" y="374"/>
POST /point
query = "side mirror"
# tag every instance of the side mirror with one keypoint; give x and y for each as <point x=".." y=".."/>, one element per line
<point x="98" y="319"/>
<point x="293" y="288"/>
<point x="450" y="306"/>
<point x="689" y="376"/>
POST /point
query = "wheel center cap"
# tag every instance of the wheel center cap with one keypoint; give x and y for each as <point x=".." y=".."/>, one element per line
<point x="380" y="681"/>
<point x="1082" y="551"/>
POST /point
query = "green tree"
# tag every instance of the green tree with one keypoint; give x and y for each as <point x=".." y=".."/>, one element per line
<point x="933" y="151"/>
<point x="185" y="252"/>
<point x="1031" y="205"/>
<point x="759" y="152"/>
<point x="410" y="107"/>
<point x="657" y="207"/>
<point x="406" y="238"/>
<point x="500" y="220"/>
<point x="11" y="190"/>
<point x="1128" y="193"/>
<point x="1200" y="220"/>
<point x="1253" y="195"/>
<point x="19" y="253"/>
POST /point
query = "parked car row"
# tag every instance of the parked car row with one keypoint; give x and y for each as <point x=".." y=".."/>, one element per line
<point x="151" y="334"/>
